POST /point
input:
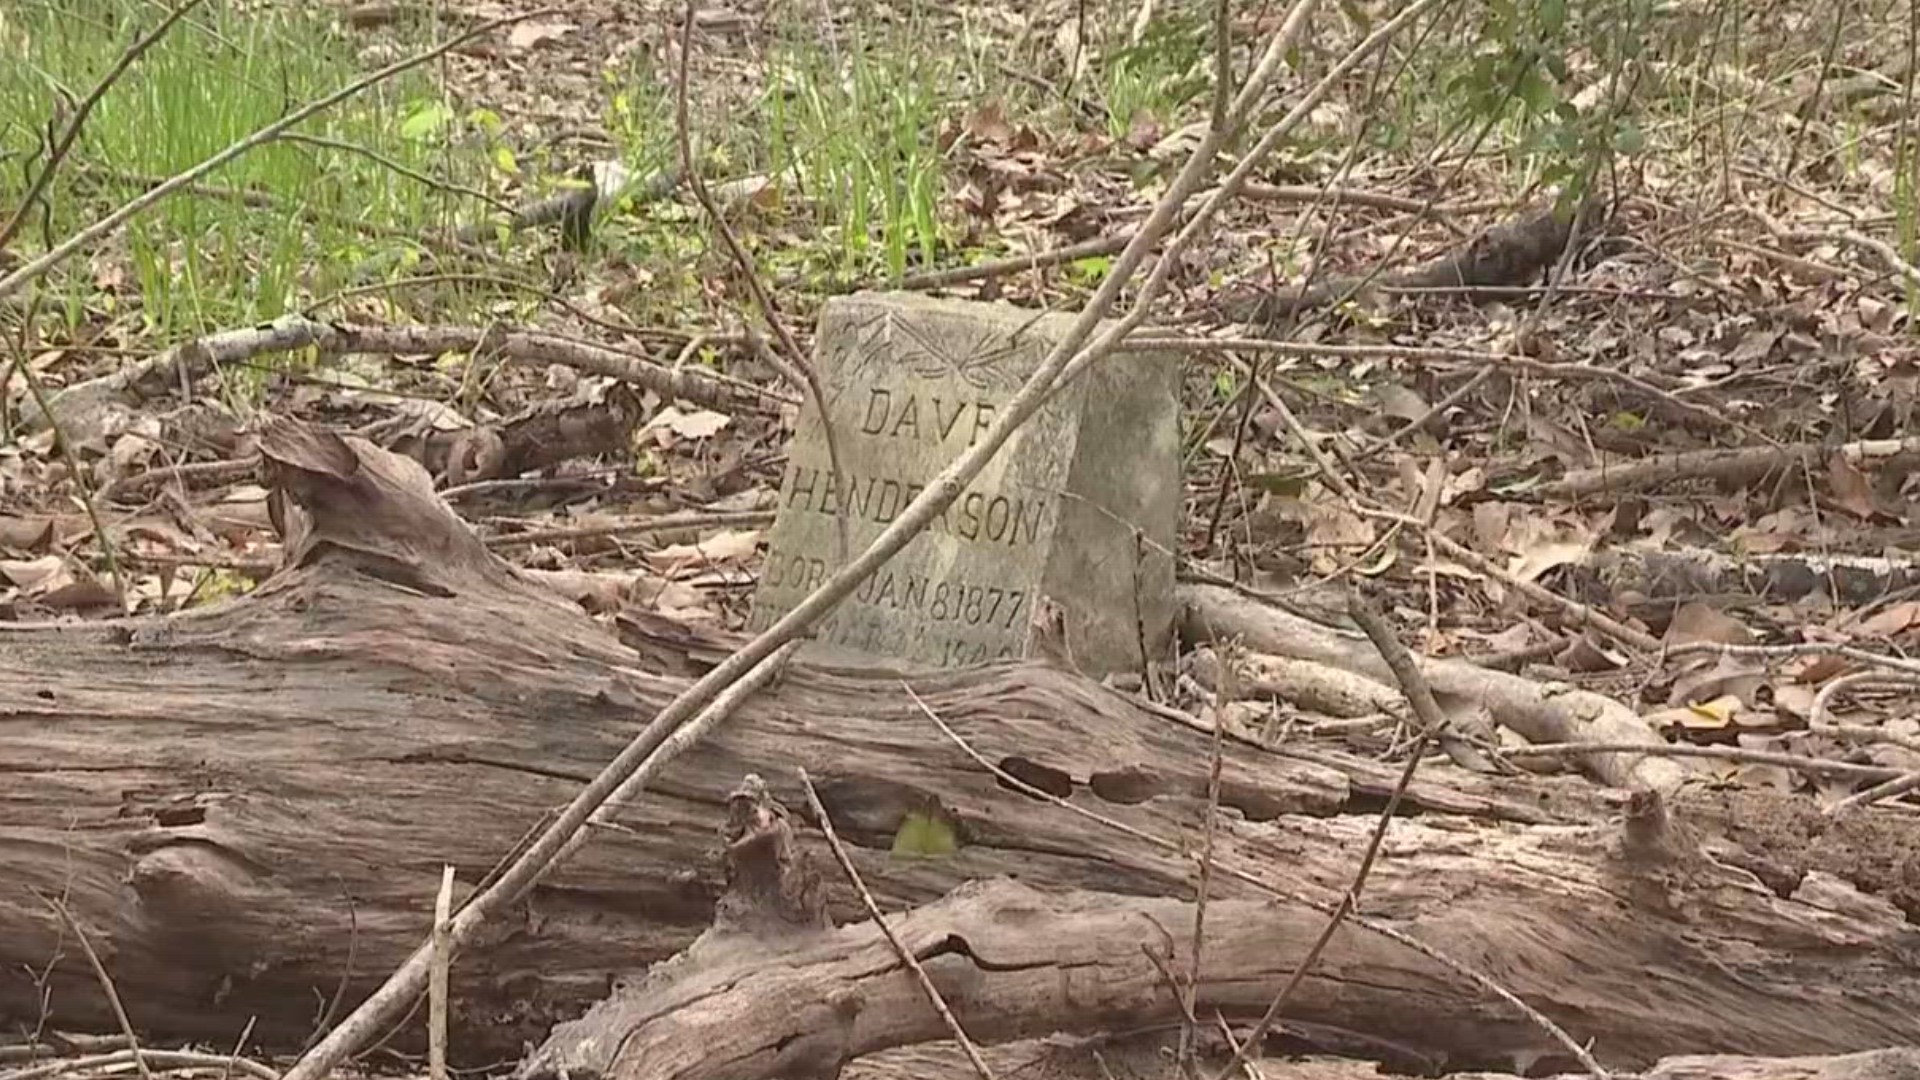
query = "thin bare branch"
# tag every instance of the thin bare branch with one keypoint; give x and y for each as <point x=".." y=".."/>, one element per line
<point x="899" y="948"/>
<point x="106" y="985"/>
<point x="790" y="360"/>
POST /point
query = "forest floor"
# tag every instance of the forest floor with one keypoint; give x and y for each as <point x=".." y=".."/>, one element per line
<point x="1746" y="283"/>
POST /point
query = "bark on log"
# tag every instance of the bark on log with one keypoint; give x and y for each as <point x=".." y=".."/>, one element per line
<point x="1060" y="1059"/>
<point x="1605" y="940"/>
<point x="247" y="804"/>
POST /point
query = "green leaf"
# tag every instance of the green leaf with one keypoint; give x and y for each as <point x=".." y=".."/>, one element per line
<point x="1224" y="383"/>
<point x="1628" y="138"/>
<point x="487" y="121"/>
<point x="504" y="160"/>
<point x="925" y="833"/>
<point x="425" y="120"/>
<point x="1090" y="269"/>
<point x="1537" y="92"/>
<point x="1553" y="15"/>
<point x="1286" y="485"/>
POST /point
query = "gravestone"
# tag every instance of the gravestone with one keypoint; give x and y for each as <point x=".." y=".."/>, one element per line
<point x="1075" y="517"/>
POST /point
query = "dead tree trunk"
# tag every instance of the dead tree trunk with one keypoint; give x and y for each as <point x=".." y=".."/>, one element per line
<point x="247" y="808"/>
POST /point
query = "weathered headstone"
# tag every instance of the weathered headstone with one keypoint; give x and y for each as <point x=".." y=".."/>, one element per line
<point x="1080" y="507"/>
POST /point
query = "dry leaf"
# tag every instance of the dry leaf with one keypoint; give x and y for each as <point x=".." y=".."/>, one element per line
<point x="1336" y="534"/>
<point x="1696" y="622"/>
<point x="698" y="424"/>
<point x="528" y="34"/>
<point x="1400" y="402"/>
<point x="1726" y="677"/>
<point x="735" y="545"/>
<point x="1891" y="619"/>
<point x="82" y="592"/>
<point x="1540" y="558"/>
<point x="988" y="124"/>
<point x="35" y="576"/>
<point x="24" y="533"/>
<point x="1852" y="491"/>
<point x="1815" y="670"/>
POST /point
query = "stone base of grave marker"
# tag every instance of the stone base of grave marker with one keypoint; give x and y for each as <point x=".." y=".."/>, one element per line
<point x="1077" y="512"/>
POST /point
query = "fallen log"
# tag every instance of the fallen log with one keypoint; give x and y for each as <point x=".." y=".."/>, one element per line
<point x="246" y="807"/>
<point x="1013" y="962"/>
<point x="1062" y="1059"/>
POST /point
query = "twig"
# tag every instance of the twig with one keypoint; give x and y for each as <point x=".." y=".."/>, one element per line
<point x="1817" y="721"/>
<point x="1432" y="722"/>
<point x="59" y="253"/>
<point x="1899" y="785"/>
<point x="520" y="345"/>
<point x="1576" y="613"/>
<point x="1809" y="269"/>
<point x="1879" y="248"/>
<point x="1731" y="466"/>
<point x="1719" y="753"/>
<point x="1224" y="693"/>
<point x="82" y="478"/>
<point x="1328" y="471"/>
<point x="257" y="199"/>
<point x="1399" y="937"/>
<point x="437" y="977"/>
<point x="959" y="275"/>
<point x="106" y="985"/>
<point x="325" y="1023"/>
<point x="212" y="472"/>
<point x="797" y="368"/>
<point x="1372" y="200"/>
<point x="900" y="949"/>
<point x="165" y="1059"/>
<point x="239" y="1044"/>
<point x="1812" y="101"/>
<point x="730" y="519"/>
<point x="1792" y="650"/>
<point x="1859" y="680"/>
<point x="58" y="151"/>
<point x="689" y="733"/>
<point x="1510" y="361"/>
<point x="585" y="480"/>
<point x="1108" y="245"/>
<point x="401" y="168"/>
<point x="1249" y="94"/>
<point x="1439" y="408"/>
<point x="1222" y="65"/>
<point x="1399" y="661"/>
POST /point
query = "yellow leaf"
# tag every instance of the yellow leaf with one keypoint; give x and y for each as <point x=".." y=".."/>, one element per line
<point x="1717" y="713"/>
<point x="925" y="833"/>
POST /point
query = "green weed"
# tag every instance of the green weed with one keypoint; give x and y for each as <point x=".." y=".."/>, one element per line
<point x="855" y="132"/>
<point x="1159" y="76"/>
<point x="286" y="222"/>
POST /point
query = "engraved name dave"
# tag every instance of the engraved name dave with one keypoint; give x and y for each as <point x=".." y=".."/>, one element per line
<point x="924" y="417"/>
